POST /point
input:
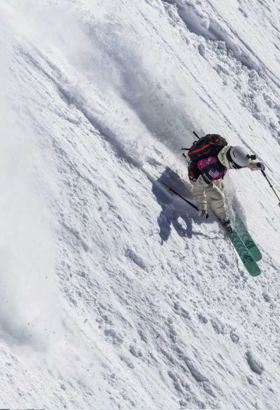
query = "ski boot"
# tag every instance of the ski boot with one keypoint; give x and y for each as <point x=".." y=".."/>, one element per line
<point x="227" y="224"/>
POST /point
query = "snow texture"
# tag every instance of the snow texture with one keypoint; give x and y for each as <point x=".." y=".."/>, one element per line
<point x="114" y="295"/>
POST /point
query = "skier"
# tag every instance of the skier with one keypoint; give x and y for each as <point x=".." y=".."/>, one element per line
<point x="207" y="184"/>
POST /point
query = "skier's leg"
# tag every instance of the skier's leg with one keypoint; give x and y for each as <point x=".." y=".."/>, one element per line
<point x="216" y="199"/>
<point x="217" y="202"/>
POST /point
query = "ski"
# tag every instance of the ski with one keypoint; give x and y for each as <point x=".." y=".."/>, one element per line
<point x="247" y="239"/>
<point x="243" y="243"/>
<point x="244" y="254"/>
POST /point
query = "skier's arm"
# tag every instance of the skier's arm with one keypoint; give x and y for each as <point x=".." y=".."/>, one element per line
<point x="202" y="185"/>
<point x="201" y="189"/>
<point x="200" y="194"/>
<point x="256" y="166"/>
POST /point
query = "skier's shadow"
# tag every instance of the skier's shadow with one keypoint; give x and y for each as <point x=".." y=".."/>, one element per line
<point x="175" y="212"/>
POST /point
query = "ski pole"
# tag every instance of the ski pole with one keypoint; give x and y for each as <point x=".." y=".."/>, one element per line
<point x="176" y="193"/>
<point x="271" y="186"/>
<point x="187" y="149"/>
<point x="180" y="196"/>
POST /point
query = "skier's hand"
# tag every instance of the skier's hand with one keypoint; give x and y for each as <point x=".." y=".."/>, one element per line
<point x="256" y="166"/>
<point x="203" y="214"/>
<point x="261" y="166"/>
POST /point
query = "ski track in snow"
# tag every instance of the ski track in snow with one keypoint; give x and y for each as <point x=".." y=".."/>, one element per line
<point x="113" y="293"/>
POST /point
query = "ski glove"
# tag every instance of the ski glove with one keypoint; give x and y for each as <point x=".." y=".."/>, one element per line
<point x="256" y="166"/>
<point x="261" y="166"/>
<point x="203" y="214"/>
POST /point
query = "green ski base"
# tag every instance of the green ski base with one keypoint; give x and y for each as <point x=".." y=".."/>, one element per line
<point x="244" y="254"/>
<point x="247" y="239"/>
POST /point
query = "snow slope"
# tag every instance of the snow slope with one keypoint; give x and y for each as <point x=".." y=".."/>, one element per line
<point x="113" y="293"/>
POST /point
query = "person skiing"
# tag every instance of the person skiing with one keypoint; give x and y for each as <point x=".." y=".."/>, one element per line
<point x="207" y="179"/>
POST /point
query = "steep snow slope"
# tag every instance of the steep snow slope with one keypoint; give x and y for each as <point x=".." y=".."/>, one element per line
<point x="113" y="293"/>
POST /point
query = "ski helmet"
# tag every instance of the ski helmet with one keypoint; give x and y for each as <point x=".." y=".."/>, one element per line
<point x="239" y="157"/>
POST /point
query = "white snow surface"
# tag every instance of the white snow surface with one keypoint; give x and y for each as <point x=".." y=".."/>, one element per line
<point x="114" y="295"/>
